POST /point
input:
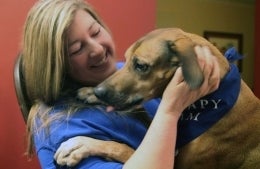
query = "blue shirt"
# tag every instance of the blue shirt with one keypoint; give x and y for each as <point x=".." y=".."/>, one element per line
<point x="92" y="122"/>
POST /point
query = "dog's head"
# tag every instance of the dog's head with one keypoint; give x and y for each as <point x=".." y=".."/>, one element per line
<point x="150" y="64"/>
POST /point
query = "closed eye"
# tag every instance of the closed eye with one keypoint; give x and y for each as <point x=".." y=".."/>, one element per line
<point x="76" y="49"/>
<point x="95" y="29"/>
<point x="96" y="33"/>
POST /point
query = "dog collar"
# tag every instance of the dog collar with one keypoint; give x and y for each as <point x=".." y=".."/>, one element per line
<point x="205" y="112"/>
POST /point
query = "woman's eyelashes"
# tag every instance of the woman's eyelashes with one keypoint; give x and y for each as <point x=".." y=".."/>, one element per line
<point x="96" y="31"/>
<point x="76" y="49"/>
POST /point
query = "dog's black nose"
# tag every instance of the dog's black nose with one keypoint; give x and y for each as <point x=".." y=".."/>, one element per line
<point x="101" y="92"/>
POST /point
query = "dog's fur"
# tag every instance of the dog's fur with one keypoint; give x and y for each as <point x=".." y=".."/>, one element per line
<point x="232" y="143"/>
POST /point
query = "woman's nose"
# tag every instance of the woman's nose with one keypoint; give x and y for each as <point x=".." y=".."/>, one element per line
<point x="95" y="48"/>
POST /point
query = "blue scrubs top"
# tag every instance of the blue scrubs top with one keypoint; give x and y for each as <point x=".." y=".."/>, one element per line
<point x="92" y="122"/>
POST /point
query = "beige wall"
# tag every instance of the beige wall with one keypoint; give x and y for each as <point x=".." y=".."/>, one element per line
<point x="199" y="15"/>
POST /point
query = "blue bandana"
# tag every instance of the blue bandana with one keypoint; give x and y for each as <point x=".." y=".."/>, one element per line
<point x="232" y="55"/>
<point x="204" y="113"/>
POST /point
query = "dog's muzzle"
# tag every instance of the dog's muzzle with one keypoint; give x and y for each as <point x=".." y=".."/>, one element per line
<point x="119" y="100"/>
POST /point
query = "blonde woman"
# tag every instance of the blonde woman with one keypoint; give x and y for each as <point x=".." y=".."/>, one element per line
<point x="67" y="46"/>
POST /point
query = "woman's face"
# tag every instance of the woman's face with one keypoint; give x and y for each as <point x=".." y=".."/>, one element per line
<point x="91" y="50"/>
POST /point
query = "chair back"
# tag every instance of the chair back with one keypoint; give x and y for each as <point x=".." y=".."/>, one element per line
<point x="21" y="94"/>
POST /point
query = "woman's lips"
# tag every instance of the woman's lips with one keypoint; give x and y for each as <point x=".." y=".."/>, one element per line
<point x="101" y="62"/>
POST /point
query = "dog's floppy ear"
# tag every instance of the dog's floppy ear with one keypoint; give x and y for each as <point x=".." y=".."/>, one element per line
<point x="192" y="73"/>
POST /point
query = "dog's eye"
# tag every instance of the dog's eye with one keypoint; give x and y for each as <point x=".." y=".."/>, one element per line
<point x="141" y="67"/>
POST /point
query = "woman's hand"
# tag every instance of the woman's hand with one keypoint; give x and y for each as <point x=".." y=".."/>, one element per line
<point x="72" y="151"/>
<point x="177" y="96"/>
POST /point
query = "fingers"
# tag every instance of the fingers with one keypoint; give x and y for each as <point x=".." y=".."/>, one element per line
<point x="215" y="76"/>
<point x="210" y="68"/>
<point x="200" y="56"/>
<point x="205" y="59"/>
<point x="178" y="77"/>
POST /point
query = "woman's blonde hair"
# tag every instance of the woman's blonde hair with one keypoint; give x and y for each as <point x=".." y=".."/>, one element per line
<point x="45" y="53"/>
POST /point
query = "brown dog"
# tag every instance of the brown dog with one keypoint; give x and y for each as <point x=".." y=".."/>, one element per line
<point x="231" y="143"/>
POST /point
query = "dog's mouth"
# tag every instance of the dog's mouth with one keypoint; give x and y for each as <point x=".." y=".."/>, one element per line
<point x="119" y="101"/>
<point x="120" y="105"/>
<point x="128" y="106"/>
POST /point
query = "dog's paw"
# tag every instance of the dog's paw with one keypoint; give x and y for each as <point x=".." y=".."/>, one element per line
<point x="75" y="149"/>
<point x="86" y="94"/>
<point x="72" y="151"/>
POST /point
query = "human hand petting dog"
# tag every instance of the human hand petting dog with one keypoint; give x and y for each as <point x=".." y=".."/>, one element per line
<point x="72" y="151"/>
<point x="180" y="89"/>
